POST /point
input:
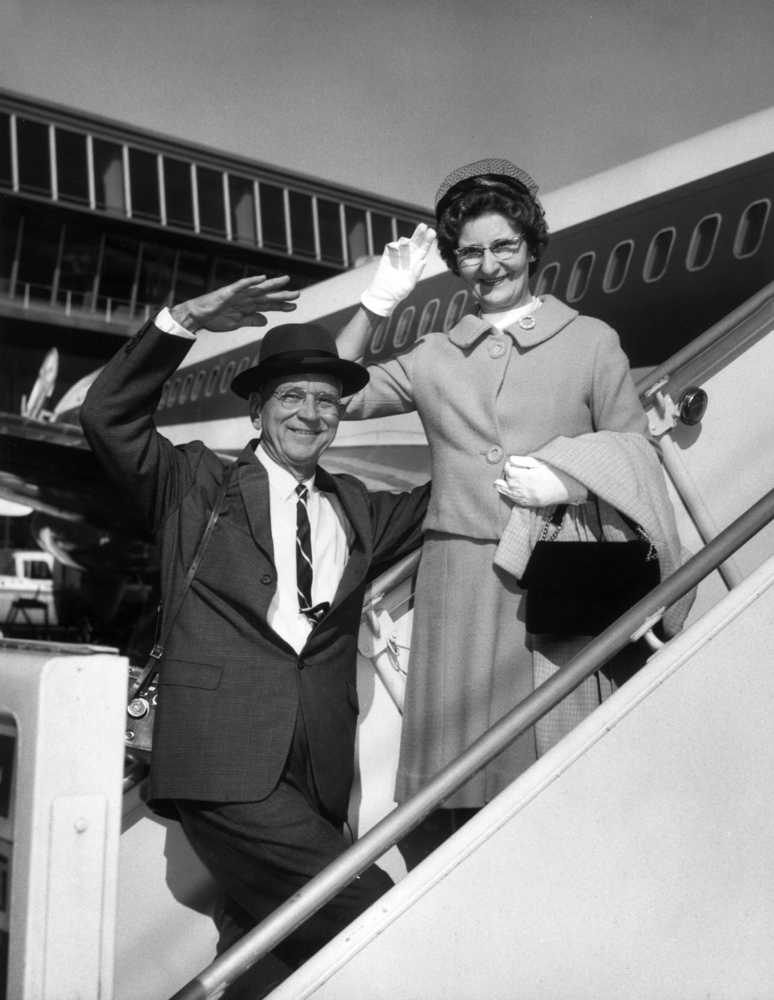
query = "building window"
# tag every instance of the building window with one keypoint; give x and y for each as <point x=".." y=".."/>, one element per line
<point x="212" y="211"/>
<point x="427" y="319"/>
<point x="658" y="255"/>
<point x="703" y="243"/>
<point x="405" y="228"/>
<point x="178" y="193"/>
<point x="302" y="224"/>
<point x="34" y="157"/>
<point x="109" y="176"/>
<point x="357" y="235"/>
<point x="78" y="269"/>
<point x="6" y="168"/>
<point x="381" y="232"/>
<point x="547" y="281"/>
<point x="273" y="217"/>
<point x="241" y="196"/>
<point x="144" y="178"/>
<point x="38" y="255"/>
<point x="617" y="266"/>
<point x="227" y="271"/>
<point x="193" y="271"/>
<point x="579" y="278"/>
<point x="403" y="329"/>
<point x="752" y="226"/>
<point x="118" y="274"/>
<point x="329" y="222"/>
<point x="72" y="167"/>
<point x="154" y="284"/>
<point x="455" y="310"/>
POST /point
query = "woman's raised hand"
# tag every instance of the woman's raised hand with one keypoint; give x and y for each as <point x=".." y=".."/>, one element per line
<point x="241" y="304"/>
<point x="399" y="270"/>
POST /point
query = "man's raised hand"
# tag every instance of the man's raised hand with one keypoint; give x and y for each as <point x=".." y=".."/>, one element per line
<point x="240" y="304"/>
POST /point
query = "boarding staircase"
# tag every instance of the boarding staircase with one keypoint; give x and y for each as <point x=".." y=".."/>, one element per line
<point x="635" y="859"/>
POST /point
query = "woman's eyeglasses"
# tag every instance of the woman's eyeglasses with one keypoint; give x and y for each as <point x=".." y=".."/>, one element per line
<point x="294" y="399"/>
<point x="500" y="249"/>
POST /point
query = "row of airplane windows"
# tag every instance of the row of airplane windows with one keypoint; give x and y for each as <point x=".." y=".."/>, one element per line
<point x="86" y="170"/>
<point x="747" y="241"/>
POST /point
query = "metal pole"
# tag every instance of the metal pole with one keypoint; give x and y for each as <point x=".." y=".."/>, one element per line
<point x="323" y="887"/>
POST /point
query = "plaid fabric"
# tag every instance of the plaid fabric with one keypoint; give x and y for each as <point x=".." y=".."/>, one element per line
<point x="624" y="473"/>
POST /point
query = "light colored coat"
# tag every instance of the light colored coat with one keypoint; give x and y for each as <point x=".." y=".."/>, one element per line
<point x="483" y="395"/>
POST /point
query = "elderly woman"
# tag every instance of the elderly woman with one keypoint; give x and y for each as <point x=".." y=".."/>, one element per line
<point x="520" y="375"/>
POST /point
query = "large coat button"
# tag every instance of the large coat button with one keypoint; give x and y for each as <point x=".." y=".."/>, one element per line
<point x="494" y="455"/>
<point x="496" y="350"/>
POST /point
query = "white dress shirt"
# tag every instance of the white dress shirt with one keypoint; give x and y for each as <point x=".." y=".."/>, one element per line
<point x="332" y="534"/>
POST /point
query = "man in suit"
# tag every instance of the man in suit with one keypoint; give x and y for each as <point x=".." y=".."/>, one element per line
<point x="255" y="726"/>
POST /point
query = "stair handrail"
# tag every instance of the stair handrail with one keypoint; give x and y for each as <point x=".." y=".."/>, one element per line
<point x="364" y="852"/>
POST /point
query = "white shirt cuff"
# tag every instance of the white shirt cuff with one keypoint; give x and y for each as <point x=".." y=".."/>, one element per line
<point x="167" y="324"/>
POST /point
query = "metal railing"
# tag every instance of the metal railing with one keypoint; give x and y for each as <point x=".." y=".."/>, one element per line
<point x="104" y="307"/>
<point x="286" y="918"/>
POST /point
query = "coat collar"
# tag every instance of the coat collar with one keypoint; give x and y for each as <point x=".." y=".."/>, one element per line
<point x="550" y="318"/>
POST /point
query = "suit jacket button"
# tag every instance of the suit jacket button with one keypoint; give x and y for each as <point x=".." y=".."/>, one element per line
<point x="265" y="578"/>
<point x="301" y="664"/>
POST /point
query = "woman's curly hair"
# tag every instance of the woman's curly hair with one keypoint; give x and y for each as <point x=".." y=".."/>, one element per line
<point x="521" y="209"/>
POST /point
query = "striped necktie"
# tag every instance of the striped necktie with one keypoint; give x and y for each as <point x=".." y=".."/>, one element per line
<point x="304" y="571"/>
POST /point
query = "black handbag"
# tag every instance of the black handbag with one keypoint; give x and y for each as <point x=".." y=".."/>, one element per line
<point x="580" y="588"/>
<point x="143" y="683"/>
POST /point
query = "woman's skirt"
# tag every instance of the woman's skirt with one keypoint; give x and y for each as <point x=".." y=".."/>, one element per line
<point x="470" y="664"/>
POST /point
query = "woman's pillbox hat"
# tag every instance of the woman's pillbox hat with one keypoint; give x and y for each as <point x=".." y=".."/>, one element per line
<point x="493" y="170"/>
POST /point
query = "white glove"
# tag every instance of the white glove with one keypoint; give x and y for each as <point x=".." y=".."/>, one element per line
<point x="399" y="269"/>
<point x="530" y="483"/>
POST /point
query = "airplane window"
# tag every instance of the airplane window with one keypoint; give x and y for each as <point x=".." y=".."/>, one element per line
<point x="658" y="255"/>
<point x="427" y="319"/>
<point x="185" y="388"/>
<point x="256" y="359"/>
<point x="109" y="176"/>
<point x="34" y="156"/>
<point x="403" y="329"/>
<point x="244" y="364"/>
<point x="6" y="170"/>
<point x="302" y="224"/>
<point x="273" y="217"/>
<point x="241" y="196"/>
<point x="455" y="310"/>
<point x="379" y="336"/>
<point x="329" y="223"/>
<point x="752" y="225"/>
<point x="381" y="232"/>
<point x="164" y="394"/>
<point x="617" y="266"/>
<point x="579" y="279"/>
<point x="198" y="383"/>
<point x="702" y="243"/>
<point x="72" y="168"/>
<point x="173" y="391"/>
<point x="357" y="236"/>
<point x="547" y="280"/>
<point x="212" y="210"/>
<point x="178" y="193"/>
<point x="210" y="387"/>
<point x="144" y="180"/>
<point x="228" y="374"/>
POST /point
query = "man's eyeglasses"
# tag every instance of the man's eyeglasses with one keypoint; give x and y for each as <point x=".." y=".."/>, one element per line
<point x="294" y="399"/>
<point x="501" y="250"/>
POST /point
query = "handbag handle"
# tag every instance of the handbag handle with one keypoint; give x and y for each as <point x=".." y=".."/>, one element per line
<point x="145" y="677"/>
<point x="561" y="509"/>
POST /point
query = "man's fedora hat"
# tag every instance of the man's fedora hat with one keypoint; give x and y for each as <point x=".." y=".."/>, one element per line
<point x="300" y="349"/>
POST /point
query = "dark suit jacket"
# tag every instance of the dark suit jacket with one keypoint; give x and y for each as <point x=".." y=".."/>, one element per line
<point x="230" y="687"/>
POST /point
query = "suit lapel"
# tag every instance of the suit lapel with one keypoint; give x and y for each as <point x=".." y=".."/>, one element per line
<point x="355" y="506"/>
<point x="254" y="485"/>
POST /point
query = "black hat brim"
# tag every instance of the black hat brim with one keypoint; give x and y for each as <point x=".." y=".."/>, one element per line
<point x="351" y="375"/>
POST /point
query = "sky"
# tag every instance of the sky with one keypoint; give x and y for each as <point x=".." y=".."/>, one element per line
<point x="391" y="96"/>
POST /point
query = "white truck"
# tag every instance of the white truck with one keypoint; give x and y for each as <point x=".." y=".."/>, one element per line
<point x="27" y="576"/>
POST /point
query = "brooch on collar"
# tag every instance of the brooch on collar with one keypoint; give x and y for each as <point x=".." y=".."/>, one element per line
<point x="527" y="322"/>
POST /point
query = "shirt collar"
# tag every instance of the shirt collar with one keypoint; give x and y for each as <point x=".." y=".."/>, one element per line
<point x="550" y="318"/>
<point x="280" y="479"/>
